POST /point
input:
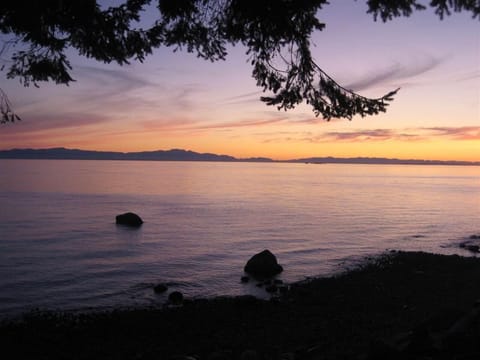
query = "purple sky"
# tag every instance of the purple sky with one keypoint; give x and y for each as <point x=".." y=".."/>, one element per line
<point x="174" y="100"/>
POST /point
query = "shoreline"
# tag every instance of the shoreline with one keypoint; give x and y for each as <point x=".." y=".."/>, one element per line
<point x="400" y="304"/>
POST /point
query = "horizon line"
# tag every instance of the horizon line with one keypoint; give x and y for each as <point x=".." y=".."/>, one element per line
<point x="229" y="158"/>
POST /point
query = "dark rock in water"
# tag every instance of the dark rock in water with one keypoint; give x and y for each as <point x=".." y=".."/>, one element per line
<point x="263" y="265"/>
<point x="160" y="288"/>
<point x="475" y="237"/>
<point x="245" y="279"/>
<point x="176" y="298"/>
<point x="471" y="244"/>
<point x="418" y="236"/>
<point x="473" y="248"/>
<point x="129" y="219"/>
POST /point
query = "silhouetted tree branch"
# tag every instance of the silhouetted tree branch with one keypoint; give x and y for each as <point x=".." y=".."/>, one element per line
<point x="7" y="114"/>
<point x="275" y="33"/>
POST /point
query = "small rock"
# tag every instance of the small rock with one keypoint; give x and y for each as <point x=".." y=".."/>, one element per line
<point x="472" y="248"/>
<point x="245" y="279"/>
<point x="160" y="288"/>
<point x="176" y="298"/>
<point x="129" y="219"/>
<point x="263" y="265"/>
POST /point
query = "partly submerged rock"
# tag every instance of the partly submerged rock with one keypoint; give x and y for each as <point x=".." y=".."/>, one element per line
<point x="471" y="247"/>
<point x="160" y="288"/>
<point x="263" y="265"/>
<point x="471" y="244"/>
<point x="129" y="219"/>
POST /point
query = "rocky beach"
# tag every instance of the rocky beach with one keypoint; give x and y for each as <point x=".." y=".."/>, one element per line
<point x="400" y="305"/>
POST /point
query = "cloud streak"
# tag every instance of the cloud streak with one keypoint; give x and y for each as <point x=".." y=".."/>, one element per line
<point x="125" y="78"/>
<point x="395" y="72"/>
<point x="128" y="90"/>
<point x="457" y="133"/>
<point x="367" y="135"/>
<point x="242" y="123"/>
<point x="246" y="98"/>
<point x="35" y="123"/>
<point x="378" y="135"/>
<point x="192" y="125"/>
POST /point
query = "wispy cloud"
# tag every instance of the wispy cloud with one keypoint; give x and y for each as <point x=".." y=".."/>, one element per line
<point x="473" y="75"/>
<point x="376" y="135"/>
<point x="124" y="77"/>
<point x="183" y="97"/>
<point x="34" y="123"/>
<point x="190" y="124"/>
<point x="126" y="90"/>
<point x="245" y="98"/>
<point x="395" y="72"/>
<point x="285" y="136"/>
<point x="169" y="123"/>
<point x="242" y="123"/>
<point x="457" y="133"/>
<point x="365" y="135"/>
<point x="312" y="120"/>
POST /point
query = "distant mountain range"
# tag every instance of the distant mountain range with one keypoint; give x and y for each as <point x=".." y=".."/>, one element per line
<point x="187" y="155"/>
<point x="158" y="155"/>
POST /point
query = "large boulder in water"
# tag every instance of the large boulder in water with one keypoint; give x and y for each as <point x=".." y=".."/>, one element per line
<point x="129" y="219"/>
<point x="262" y="265"/>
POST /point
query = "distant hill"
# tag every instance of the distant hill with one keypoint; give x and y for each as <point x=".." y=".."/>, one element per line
<point x="368" y="160"/>
<point x="187" y="155"/>
<point x="159" y="155"/>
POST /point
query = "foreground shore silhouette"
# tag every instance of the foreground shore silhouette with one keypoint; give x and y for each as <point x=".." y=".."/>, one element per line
<point x="400" y="305"/>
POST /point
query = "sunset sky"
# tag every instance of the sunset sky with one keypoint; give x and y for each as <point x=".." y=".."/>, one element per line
<point x="174" y="100"/>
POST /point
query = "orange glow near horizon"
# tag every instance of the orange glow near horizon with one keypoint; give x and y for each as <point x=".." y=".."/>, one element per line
<point x="175" y="100"/>
<point x="279" y="146"/>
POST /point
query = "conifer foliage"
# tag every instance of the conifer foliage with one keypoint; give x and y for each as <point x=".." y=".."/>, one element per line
<point x="36" y="35"/>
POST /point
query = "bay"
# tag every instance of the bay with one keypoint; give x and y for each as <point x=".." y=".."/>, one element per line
<point x="61" y="249"/>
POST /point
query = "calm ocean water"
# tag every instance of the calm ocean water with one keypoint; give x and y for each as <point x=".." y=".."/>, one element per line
<point x="60" y="247"/>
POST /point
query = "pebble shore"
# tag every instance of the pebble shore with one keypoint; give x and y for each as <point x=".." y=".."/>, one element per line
<point x="402" y="305"/>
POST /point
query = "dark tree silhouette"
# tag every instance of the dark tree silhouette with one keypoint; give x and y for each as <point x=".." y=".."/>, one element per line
<point x="275" y="33"/>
